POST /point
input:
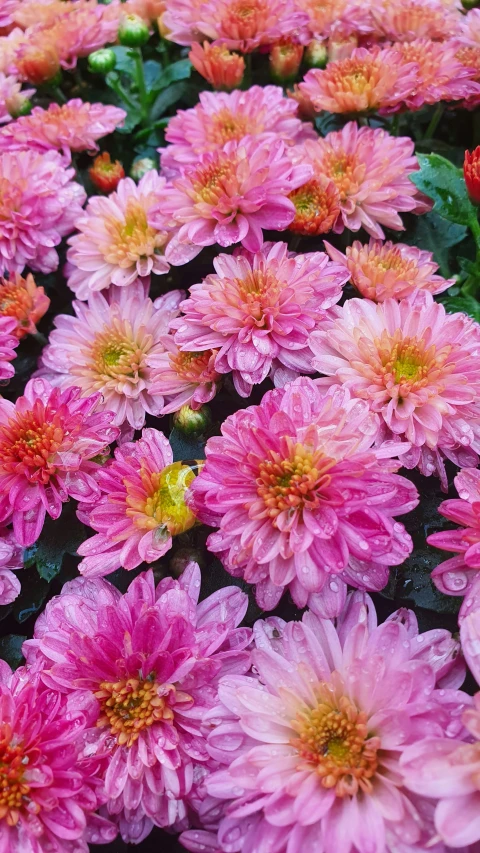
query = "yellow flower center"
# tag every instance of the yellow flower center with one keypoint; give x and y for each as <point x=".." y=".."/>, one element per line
<point x="226" y="126"/>
<point x="164" y="509"/>
<point x="333" y="737"/>
<point x="131" y="705"/>
<point x="245" y="18"/>
<point x="296" y="483"/>
<point x="316" y="208"/>
<point x="407" y="364"/>
<point x="214" y="181"/>
<point x="193" y="366"/>
<point x="14" y="792"/>
<point x="345" y="171"/>
<point x="116" y="355"/>
<point x="132" y="238"/>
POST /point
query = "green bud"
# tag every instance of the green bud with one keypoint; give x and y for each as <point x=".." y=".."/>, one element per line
<point x="316" y="55"/>
<point x="141" y="166"/>
<point x="22" y="109"/>
<point x="102" y="61"/>
<point x="192" y="422"/>
<point x="133" y="31"/>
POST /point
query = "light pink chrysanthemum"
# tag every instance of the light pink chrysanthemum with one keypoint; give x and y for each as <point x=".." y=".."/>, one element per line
<point x="460" y="575"/>
<point x="142" y="506"/>
<point x="11" y="559"/>
<point x="441" y="73"/>
<point x="337" y="18"/>
<point x="7" y="11"/>
<point x="448" y="771"/>
<point x="83" y="27"/>
<point x="389" y="270"/>
<point x="406" y="20"/>
<point x="8" y="344"/>
<point x="39" y="204"/>
<point x="238" y="24"/>
<point x="300" y="494"/>
<point x="469" y="30"/>
<point x="117" y="244"/>
<point x="106" y="346"/>
<point x="371" y="171"/>
<point x="183" y="378"/>
<point x="75" y="125"/>
<point x="47" y="441"/>
<point x="158" y="653"/>
<point x="416" y="366"/>
<point x="12" y="97"/>
<point x="229" y="196"/>
<point x="311" y="742"/>
<point x="260" y="308"/>
<point x="8" y="46"/>
<point x="220" y="117"/>
<point x="48" y="794"/>
<point x="367" y="80"/>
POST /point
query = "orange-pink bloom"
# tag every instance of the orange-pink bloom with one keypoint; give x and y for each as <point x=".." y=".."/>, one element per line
<point x="218" y="65"/>
<point x="21" y="299"/>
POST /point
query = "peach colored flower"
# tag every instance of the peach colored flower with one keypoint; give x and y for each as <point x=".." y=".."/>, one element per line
<point x="384" y="270"/>
<point x="21" y="299"/>
<point x="407" y="20"/>
<point x="441" y="74"/>
<point x="317" y="207"/>
<point x="218" y="65"/>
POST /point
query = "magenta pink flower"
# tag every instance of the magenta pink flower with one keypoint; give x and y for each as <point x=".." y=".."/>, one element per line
<point x="229" y="196"/>
<point x="389" y="270"/>
<point x="39" y="204"/>
<point x="106" y="347"/>
<point x="183" y="378"/>
<point x="299" y="495"/>
<point x="460" y="575"/>
<point x="142" y="506"/>
<point x="417" y="367"/>
<point x="162" y="653"/>
<point x="238" y="24"/>
<point x="8" y="344"/>
<point x="47" y="441"/>
<point x="76" y="125"/>
<point x="371" y="171"/>
<point x="311" y="741"/>
<point x="449" y="772"/>
<point x="260" y="309"/>
<point x="48" y="794"/>
<point x="116" y="243"/>
<point x="220" y="117"/>
<point x="11" y="559"/>
<point x="12" y="98"/>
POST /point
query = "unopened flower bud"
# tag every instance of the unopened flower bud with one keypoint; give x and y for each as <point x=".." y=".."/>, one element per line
<point x="102" y="61"/>
<point x="19" y="107"/>
<point x="105" y="174"/>
<point x="141" y="166"/>
<point x="341" y="48"/>
<point x="285" y="61"/>
<point x="221" y="68"/>
<point x="133" y="31"/>
<point x="316" y="54"/>
<point x="471" y="173"/>
<point x="192" y="422"/>
<point x="37" y="63"/>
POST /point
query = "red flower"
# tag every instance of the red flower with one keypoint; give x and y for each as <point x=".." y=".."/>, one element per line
<point x="471" y="172"/>
<point x="106" y="175"/>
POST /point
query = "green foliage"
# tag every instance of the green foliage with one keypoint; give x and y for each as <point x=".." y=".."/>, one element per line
<point x="439" y="179"/>
<point x="437" y="235"/>
<point x="466" y="303"/>
<point x="57" y="539"/>
<point x="11" y="649"/>
<point x="186" y="447"/>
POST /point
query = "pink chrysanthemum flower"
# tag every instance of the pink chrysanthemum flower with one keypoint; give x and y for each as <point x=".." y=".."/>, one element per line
<point x="11" y="559"/>
<point x="21" y="299"/>
<point x="367" y="80"/>
<point x="29" y="13"/>
<point x="75" y="125"/>
<point x="7" y="12"/>
<point x="382" y="271"/>
<point x="442" y="74"/>
<point x="229" y="196"/>
<point x="8" y="344"/>
<point x="183" y="378"/>
<point x="161" y="652"/>
<point x="448" y="771"/>
<point x="329" y="18"/>
<point x="417" y="367"/>
<point x="47" y="441"/>
<point x="12" y="97"/>
<point x="460" y="575"/>
<point x="300" y="494"/>
<point x="407" y="20"/>
<point x="84" y="26"/>
<point x="311" y="742"/>
<point x="117" y="244"/>
<point x="220" y="117"/>
<point x="258" y="309"/>
<point x="48" y="794"/>
<point x="105" y="348"/>
<point x="238" y="24"/>
<point x="39" y="204"/>
<point x="142" y="506"/>
<point x="370" y="170"/>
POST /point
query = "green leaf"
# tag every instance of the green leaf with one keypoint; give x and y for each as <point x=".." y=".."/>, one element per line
<point x="180" y="70"/>
<point x="167" y="98"/>
<point x="185" y="447"/>
<point x="437" y="235"/>
<point x="11" y="649"/>
<point x="124" y="59"/>
<point x="468" y="304"/>
<point x="134" y="117"/>
<point x="153" y="73"/>
<point x="443" y="182"/>
<point x="58" y="538"/>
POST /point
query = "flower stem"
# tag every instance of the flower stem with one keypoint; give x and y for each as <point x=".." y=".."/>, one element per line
<point x="434" y="121"/>
<point x="117" y="87"/>
<point x="395" y="124"/>
<point x="136" y="54"/>
<point x="475" y="229"/>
